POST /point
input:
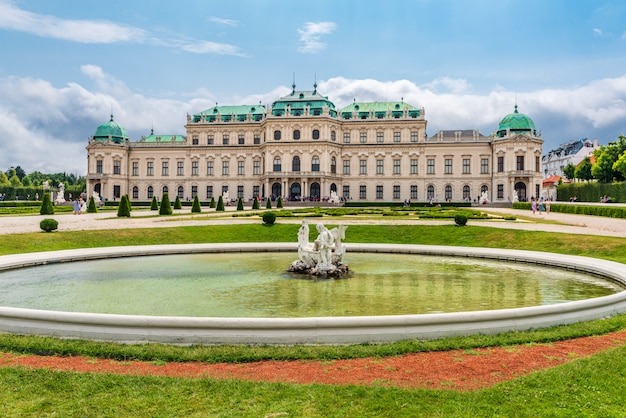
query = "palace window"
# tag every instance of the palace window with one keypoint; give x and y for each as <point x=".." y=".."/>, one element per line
<point x="430" y="166"/>
<point x="396" y="166"/>
<point x="99" y="166"/>
<point x="315" y="163"/>
<point x="209" y="192"/>
<point x="241" y="168"/>
<point x="295" y="164"/>
<point x="519" y="163"/>
<point x="209" y="168"/>
<point x="181" y="192"/>
<point x="165" y="168"/>
<point x="194" y="140"/>
<point x="210" y="140"/>
<point x="180" y="168"/>
<point x="225" y="140"/>
<point x="296" y="134"/>
<point x="396" y="136"/>
<point x="500" y="164"/>
<point x="316" y="134"/>
<point x="194" y="168"/>
<point x="333" y="165"/>
<point x="396" y="191"/>
<point x="256" y="168"/>
<point x="363" y="137"/>
<point x="225" y="167"/>
<point x="135" y="168"/>
<point x="448" y="165"/>
<point x="362" y="166"/>
<point x="379" y="191"/>
<point x="277" y="164"/>
<point x="333" y="135"/>
<point x="240" y="191"/>
<point x="150" y="168"/>
<point x="255" y="191"/>
<point x="135" y="192"/>
<point x="346" y="166"/>
<point x="380" y="167"/>
<point x="413" y="136"/>
<point x="414" y="166"/>
<point x="241" y="140"/>
<point x="362" y="192"/>
<point x="466" y="166"/>
<point x="380" y="137"/>
<point x="448" y="193"/>
<point x="484" y="166"/>
<point x="150" y="194"/>
<point x="257" y="139"/>
<point x="346" y="191"/>
<point x="430" y="192"/>
<point x="346" y="137"/>
<point x="194" y="191"/>
<point x="467" y="195"/>
<point x="277" y="135"/>
<point x="117" y="167"/>
<point x="413" y="191"/>
<point x="500" y="191"/>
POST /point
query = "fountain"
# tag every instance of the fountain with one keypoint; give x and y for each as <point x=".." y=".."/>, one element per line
<point x="324" y="257"/>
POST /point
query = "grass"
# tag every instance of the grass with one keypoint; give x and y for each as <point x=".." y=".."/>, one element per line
<point x="584" y="387"/>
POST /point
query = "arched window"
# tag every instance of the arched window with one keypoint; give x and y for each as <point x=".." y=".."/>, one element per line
<point x="150" y="192"/>
<point x="430" y="192"/>
<point x="333" y="135"/>
<point x="296" y="134"/>
<point x="277" y="164"/>
<point x="316" y="134"/>
<point x="165" y="189"/>
<point x="135" y="192"/>
<point x="448" y="193"/>
<point x="295" y="164"/>
<point x="277" y="134"/>
<point x="333" y="165"/>
<point x="181" y="192"/>
<point x="467" y="194"/>
<point x="315" y="163"/>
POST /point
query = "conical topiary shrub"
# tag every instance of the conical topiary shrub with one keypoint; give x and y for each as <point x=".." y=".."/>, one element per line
<point x="177" y="204"/>
<point x="240" y="204"/>
<point x="155" y="204"/>
<point x="279" y="202"/>
<point x="91" y="205"/>
<point x="46" y="205"/>
<point x="195" y="207"/>
<point x="255" y="203"/>
<point x="212" y="204"/>
<point x="123" y="209"/>
<point x="268" y="205"/>
<point x="130" y="206"/>
<point x="166" y="206"/>
<point x="220" y="205"/>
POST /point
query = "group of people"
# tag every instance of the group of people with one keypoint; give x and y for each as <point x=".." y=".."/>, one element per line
<point x="80" y="206"/>
<point x="542" y="205"/>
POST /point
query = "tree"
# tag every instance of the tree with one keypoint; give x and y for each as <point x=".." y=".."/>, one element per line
<point x="195" y="207"/>
<point x="26" y="182"/>
<point x="123" y="210"/>
<point x="279" y="202"/>
<point x="220" y="205"/>
<point x="569" y="170"/>
<point x="212" y="204"/>
<point x="46" y="205"/>
<point x="91" y="206"/>
<point x="583" y="171"/>
<point x="177" y="204"/>
<point x="154" y="205"/>
<point x="240" y="203"/>
<point x="620" y="165"/>
<point x="255" y="203"/>
<point x="268" y="205"/>
<point x="166" y="206"/>
<point x="606" y="156"/>
<point x="15" y="181"/>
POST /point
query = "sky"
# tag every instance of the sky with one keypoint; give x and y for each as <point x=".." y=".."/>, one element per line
<point x="67" y="65"/>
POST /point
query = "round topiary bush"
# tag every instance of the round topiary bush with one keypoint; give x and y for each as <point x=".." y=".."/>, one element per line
<point x="460" y="219"/>
<point x="269" y="218"/>
<point x="48" y="225"/>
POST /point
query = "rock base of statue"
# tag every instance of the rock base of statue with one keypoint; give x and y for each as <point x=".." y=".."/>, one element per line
<point x="330" y="272"/>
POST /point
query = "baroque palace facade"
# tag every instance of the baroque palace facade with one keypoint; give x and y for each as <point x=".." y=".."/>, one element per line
<point x="302" y="147"/>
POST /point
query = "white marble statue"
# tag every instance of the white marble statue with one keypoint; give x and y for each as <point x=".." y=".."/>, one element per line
<point x="325" y="253"/>
<point x="334" y="198"/>
<point x="484" y="199"/>
<point x="60" y="195"/>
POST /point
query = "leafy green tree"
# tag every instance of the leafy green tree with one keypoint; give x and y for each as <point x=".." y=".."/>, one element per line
<point x="19" y="172"/>
<point x="195" y="207"/>
<point x="220" y="205"/>
<point x="606" y="156"/>
<point x="26" y="182"/>
<point x="15" y="181"/>
<point x="583" y="170"/>
<point x="46" y="205"/>
<point x="620" y="165"/>
<point x="4" y="180"/>
<point x="240" y="203"/>
<point x="166" y="206"/>
<point x="569" y="171"/>
<point x="123" y="210"/>
<point x="154" y="205"/>
<point x="177" y="203"/>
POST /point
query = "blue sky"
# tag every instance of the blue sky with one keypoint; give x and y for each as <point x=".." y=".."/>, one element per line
<point x="67" y="64"/>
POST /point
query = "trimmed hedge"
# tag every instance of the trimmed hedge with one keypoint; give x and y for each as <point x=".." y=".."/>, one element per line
<point x="605" y="210"/>
<point x="591" y="191"/>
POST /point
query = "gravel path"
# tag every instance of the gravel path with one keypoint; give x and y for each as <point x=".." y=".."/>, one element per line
<point x="552" y="222"/>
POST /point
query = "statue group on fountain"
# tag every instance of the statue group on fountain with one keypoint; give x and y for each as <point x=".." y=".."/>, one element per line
<point x="325" y="254"/>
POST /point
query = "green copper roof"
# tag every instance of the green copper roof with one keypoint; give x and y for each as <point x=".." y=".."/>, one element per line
<point x="365" y="110"/>
<point x="298" y="101"/>
<point x="111" y="131"/>
<point x="163" y="138"/>
<point x="516" y="123"/>
<point x="231" y="113"/>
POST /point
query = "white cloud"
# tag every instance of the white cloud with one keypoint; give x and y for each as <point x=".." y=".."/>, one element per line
<point x="311" y="34"/>
<point x="222" y="21"/>
<point x="84" y="31"/>
<point x="44" y="127"/>
<point x="103" y="32"/>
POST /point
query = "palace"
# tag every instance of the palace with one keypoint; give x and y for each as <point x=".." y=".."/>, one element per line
<point x="303" y="147"/>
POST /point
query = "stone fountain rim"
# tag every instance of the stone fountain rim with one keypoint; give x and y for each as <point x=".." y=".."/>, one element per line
<point x="311" y="330"/>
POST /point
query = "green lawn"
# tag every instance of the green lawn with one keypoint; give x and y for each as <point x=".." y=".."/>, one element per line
<point x="584" y="387"/>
